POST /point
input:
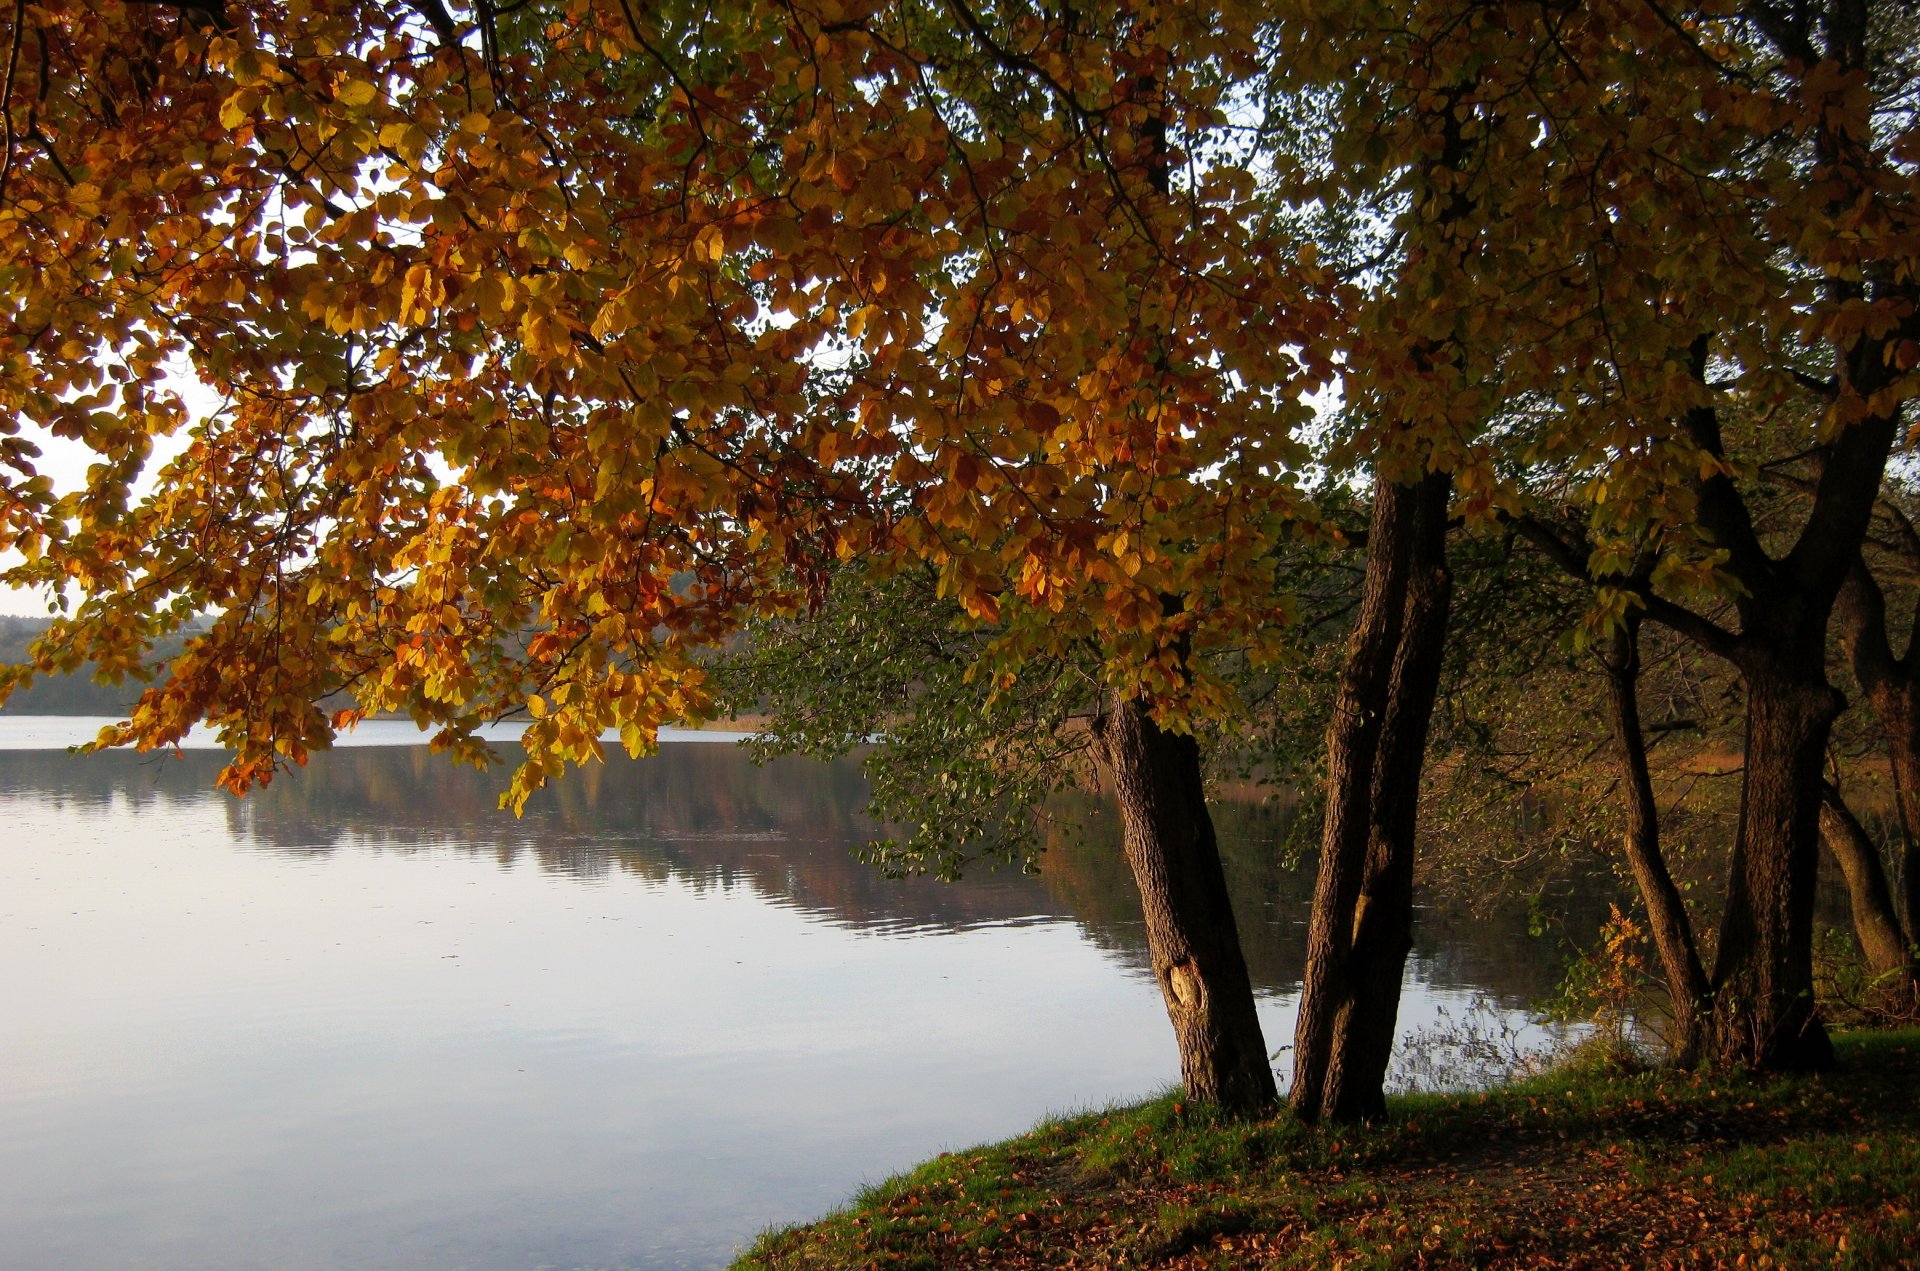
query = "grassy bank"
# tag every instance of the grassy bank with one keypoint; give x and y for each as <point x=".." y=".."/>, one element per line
<point x="1572" y="1169"/>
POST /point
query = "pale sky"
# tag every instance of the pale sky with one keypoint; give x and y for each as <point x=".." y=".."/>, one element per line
<point x="67" y="462"/>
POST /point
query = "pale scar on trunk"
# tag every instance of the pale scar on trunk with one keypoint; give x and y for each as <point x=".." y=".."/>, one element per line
<point x="1184" y="982"/>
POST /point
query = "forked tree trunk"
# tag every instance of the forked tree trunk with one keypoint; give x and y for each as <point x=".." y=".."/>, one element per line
<point x="1383" y="922"/>
<point x="1191" y="934"/>
<point x="1361" y="927"/>
<point x="1887" y="949"/>
<point x="1688" y="993"/>
<point x="1763" y="1008"/>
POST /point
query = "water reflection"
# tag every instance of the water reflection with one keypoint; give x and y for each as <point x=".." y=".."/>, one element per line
<point x="784" y="832"/>
<point x="362" y="1018"/>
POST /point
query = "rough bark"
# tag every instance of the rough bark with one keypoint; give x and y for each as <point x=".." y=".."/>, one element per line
<point x="1688" y="992"/>
<point x="1891" y="686"/>
<point x="1360" y="929"/>
<point x="1353" y="740"/>
<point x="1764" y="1013"/>
<point x="1900" y="724"/>
<point x="1888" y="950"/>
<point x="1763" y="1009"/>
<point x="1191" y="934"/>
<point x="1383" y="921"/>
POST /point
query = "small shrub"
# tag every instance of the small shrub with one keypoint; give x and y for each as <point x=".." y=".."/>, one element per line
<point x="1611" y="989"/>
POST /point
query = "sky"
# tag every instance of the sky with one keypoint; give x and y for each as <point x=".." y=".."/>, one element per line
<point x="66" y="462"/>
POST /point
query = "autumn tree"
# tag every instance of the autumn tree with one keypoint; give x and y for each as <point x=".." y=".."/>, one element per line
<point x="1614" y="228"/>
<point x="543" y="345"/>
<point x="1800" y="286"/>
<point x="540" y="347"/>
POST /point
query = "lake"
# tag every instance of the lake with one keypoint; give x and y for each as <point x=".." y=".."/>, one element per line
<point x="362" y="1019"/>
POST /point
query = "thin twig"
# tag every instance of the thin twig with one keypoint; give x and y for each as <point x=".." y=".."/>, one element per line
<point x="6" y="92"/>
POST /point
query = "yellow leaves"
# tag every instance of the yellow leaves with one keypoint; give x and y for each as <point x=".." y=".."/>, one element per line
<point x="637" y="740"/>
<point x="908" y="470"/>
<point x="420" y="293"/>
<point x="710" y="244"/>
<point x="239" y="109"/>
<point x="85" y="196"/>
<point x="406" y="139"/>
<point x="980" y="604"/>
<point x="253" y="66"/>
<point x="491" y="296"/>
<point x="355" y="92"/>
<point x="545" y="335"/>
<point x="1043" y="580"/>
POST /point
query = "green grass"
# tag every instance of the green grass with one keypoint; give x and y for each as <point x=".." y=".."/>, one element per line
<point x="1572" y="1168"/>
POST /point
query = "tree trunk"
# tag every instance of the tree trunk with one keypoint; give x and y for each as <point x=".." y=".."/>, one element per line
<point x="1383" y="922"/>
<point x="1874" y="923"/>
<point x="1763" y="1007"/>
<point x="1361" y="927"/>
<point x="1688" y="992"/>
<point x="1191" y="935"/>
<point x="1899" y="715"/>
<point x="1890" y="687"/>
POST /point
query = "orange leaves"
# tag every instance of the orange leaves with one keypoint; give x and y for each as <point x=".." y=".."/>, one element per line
<point x="522" y="377"/>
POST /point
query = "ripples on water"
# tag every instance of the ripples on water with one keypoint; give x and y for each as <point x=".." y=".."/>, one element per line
<point x="363" y="1019"/>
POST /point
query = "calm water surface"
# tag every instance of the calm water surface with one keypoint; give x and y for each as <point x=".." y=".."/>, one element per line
<point x="364" y="1020"/>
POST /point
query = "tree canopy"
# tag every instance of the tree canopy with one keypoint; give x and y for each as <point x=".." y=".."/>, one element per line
<point x="535" y="348"/>
<point x="545" y="344"/>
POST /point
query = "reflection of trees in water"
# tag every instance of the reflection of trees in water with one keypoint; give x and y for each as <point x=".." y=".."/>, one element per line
<point x="697" y="813"/>
<point x="96" y="783"/>
<point x="1490" y="948"/>
<point x="702" y="814"/>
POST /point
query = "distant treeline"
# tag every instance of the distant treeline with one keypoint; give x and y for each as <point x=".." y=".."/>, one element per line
<point x="75" y="694"/>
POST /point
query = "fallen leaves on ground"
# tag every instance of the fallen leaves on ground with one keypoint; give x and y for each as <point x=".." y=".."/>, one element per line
<point x="1647" y="1171"/>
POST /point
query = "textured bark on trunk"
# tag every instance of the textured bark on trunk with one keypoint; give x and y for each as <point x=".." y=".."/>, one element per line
<point x="1361" y="926"/>
<point x="1763" y="1007"/>
<point x="1763" y="1012"/>
<point x="1874" y="922"/>
<point x="1899" y="716"/>
<point x="1903" y="748"/>
<point x="1353" y="742"/>
<point x="1688" y="992"/>
<point x="1383" y="921"/>
<point x="1892" y="690"/>
<point x="1191" y="935"/>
